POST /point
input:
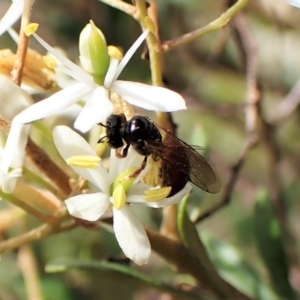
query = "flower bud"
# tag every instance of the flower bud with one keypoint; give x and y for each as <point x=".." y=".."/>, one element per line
<point x="93" y="52"/>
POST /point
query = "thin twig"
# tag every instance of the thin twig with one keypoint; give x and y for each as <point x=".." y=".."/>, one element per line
<point x="268" y="135"/>
<point x="253" y="113"/>
<point x="221" y="22"/>
<point x="16" y="72"/>
<point x="252" y="98"/>
<point x="48" y="167"/>
<point x="287" y="106"/>
<point x="28" y="265"/>
<point x="121" y="5"/>
<point x="36" y="233"/>
<point x="32" y="211"/>
<point x="252" y="93"/>
<point x="235" y="172"/>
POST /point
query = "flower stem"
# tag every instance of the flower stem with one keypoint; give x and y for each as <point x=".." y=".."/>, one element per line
<point x="16" y="72"/>
<point x="153" y="45"/>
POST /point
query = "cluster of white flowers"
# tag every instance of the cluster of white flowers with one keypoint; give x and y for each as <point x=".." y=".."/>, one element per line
<point x="93" y="84"/>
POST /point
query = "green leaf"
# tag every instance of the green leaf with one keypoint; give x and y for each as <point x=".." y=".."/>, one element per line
<point x="120" y="272"/>
<point x="270" y="243"/>
<point x="224" y="260"/>
<point x="236" y="270"/>
<point x="195" y="247"/>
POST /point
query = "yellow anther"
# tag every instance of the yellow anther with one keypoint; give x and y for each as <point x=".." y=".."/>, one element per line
<point x="50" y="62"/>
<point x="31" y="28"/>
<point x="115" y="52"/>
<point x="157" y="194"/>
<point x="119" y="196"/>
<point x="84" y="161"/>
<point x="100" y="148"/>
<point x="150" y="24"/>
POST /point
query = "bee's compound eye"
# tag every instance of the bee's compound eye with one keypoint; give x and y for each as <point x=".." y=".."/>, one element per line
<point x="114" y="121"/>
<point x="114" y="131"/>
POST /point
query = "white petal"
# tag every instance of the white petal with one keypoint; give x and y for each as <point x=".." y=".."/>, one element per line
<point x="172" y="200"/>
<point x="118" y="165"/>
<point x="110" y="74"/>
<point x="136" y="193"/>
<point x="12" y="15"/>
<point x="13" y="156"/>
<point x="295" y="3"/>
<point x="131" y="235"/>
<point x="12" y="99"/>
<point x="89" y="206"/>
<point x="68" y="144"/>
<point x="10" y="179"/>
<point x="76" y="72"/>
<point x="96" y="110"/>
<point x="16" y="141"/>
<point x="19" y="155"/>
<point x="54" y="104"/>
<point x="130" y="52"/>
<point x="148" y="96"/>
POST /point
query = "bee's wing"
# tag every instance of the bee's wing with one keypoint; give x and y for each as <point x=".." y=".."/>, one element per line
<point x="187" y="160"/>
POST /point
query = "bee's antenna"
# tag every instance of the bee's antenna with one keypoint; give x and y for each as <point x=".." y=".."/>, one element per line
<point x="100" y="124"/>
<point x="101" y="140"/>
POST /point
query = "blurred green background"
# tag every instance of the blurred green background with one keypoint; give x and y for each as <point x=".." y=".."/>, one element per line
<point x="210" y="74"/>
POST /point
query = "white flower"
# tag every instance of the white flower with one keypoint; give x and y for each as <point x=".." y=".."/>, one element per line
<point x="98" y="105"/>
<point x="110" y="194"/>
<point x="12" y="15"/>
<point x="295" y="3"/>
<point x="12" y="100"/>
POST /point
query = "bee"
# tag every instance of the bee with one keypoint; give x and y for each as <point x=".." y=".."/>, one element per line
<point x="172" y="160"/>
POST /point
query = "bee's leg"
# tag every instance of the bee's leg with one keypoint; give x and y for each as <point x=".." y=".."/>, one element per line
<point x="123" y="153"/>
<point x="139" y="170"/>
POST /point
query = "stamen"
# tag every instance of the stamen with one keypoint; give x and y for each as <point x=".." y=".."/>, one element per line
<point x="119" y="196"/>
<point x="31" y="28"/>
<point x="150" y="24"/>
<point x="157" y="194"/>
<point x="84" y="161"/>
<point x="50" y="62"/>
<point x="115" y="52"/>
<point x="100" y="147"/>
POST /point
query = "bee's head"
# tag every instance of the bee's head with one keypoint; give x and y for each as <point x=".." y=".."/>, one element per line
<point x="114" y="131"/>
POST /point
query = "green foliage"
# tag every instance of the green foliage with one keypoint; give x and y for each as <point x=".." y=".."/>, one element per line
<point x="271" y="245"/>
<point x="119" y="273"/>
